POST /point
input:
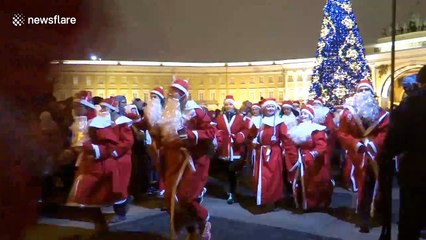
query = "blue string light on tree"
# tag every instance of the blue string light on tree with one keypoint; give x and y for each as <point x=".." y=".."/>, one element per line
<point x="340" y="56"/>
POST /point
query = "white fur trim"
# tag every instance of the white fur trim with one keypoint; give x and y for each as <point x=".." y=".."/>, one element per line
<point x="97" y="151"/>
<point x="122" y="120"/>
<point x="303" y="132"/>
<point x="180" y="87"/>
<point x="85" y="103"/>
<point x="318" y="101"/>
<point x="109" y="106"/>
<point x="100" y="122"/>
<point x="228" y="100"/>
<point x="270" y="120"/>
<point x="256" y="120"/>
<point x="269" y="102"/>
<point x="287" y="105"/>
<point x="190" y="104"/>
<point x="308" y="112"/>
<point x="256" y="106"/>
<point x="196" y="136"/>
<point x="373" y="146"/>
<point x="158" y="93"/>
<point x="358" y="145"/>
<point x="365" y="85"/>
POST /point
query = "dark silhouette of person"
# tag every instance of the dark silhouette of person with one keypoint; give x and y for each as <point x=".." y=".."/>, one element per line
<point x="406" y="139"/>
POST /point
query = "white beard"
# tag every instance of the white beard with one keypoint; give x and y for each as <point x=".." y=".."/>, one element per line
<point x="302" y="133"/>
<point x="290" y="120"/>
<point x="366" y="107"/>
<point x="153" y="111"/>
<point x="320" y="114"/>
<point x="171" y="120"/>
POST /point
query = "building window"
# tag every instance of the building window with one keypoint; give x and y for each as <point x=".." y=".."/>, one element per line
<point x="290" y="78"/>
<point x="145" y="97"/>
<point x="281" y="95"/>
<point x="221" y="81"/>
<point x="252" y="80"/>
<point x="271" y="93"/>
<point x="75" y="80"/>
<point x="260" y="79"/>
<point x="271" y="80"/>
<point x="88" y="81"/>
<point x="222" y="94"/>
<point x="213" y="96"/>
<point x="100" y="80"/>
<point x="280" y="79"/>
<point x="201" y="96"/>
<point x="232" y="81"/>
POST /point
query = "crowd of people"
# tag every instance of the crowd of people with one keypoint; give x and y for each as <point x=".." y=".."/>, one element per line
<point x="106" y="151"/>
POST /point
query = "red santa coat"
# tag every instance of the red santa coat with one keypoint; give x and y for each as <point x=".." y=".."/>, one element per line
<point x="351" y="133"/>
<point x="188" y="179"/>
<point x="231" y="135"/>
<point x="268" y="166"/>
<point x="105" y="166"/>
<point x="311" y="167"/>
<point x="122" y="152"/>
<point x="94" y="183"/>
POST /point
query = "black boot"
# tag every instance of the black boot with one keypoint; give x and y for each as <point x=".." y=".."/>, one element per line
<point x="231" y="199"/>
<point x="120" y="211"/>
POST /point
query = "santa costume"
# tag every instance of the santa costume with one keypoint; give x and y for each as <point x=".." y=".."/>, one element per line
<point x="268" y="166"/>
<point x="231" y="134"/>
<point x="186" y="138"/>
<point x="288" y="115"/>
<point x="362" y="131"/>
<point x="309" y="172"/>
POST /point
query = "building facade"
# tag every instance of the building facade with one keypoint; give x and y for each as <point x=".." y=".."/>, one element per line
<point x="211" y="82"/>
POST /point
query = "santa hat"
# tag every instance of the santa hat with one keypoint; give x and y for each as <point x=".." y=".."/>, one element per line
<point x="255" y="105"/>
<point x="128" y="109"/>
<point x="158" y="91"/>
<point x="365" y="83"/>
<point x="269" y="101"/>
<point x="181" y="85"/>
<point x="308" y="110"/>
<point x="296" y="102"/>
<point x="110" y="103"/>
<point x="288" y="104"/>
<point x="229" y="99"/>
<point x="319" y="100"/>
<point x="310" y="103"/>
<point x="85" y="98"/>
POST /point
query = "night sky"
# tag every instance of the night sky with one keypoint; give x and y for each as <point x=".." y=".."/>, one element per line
<point x="222" y="30"/>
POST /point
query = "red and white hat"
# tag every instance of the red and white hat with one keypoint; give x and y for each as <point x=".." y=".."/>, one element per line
<point x="365" y="83"/>
<point x="229" y="99"/>
<point x="181" y="85"/>
<point x="110" y="103"/>
<point x="158" y="91"/>
<point x="319" y="100"/>
<point x="310" y="103"/>
<point x="308" y="110"/>
<point x="269" y="101"/>
<point x="255" y="105"/>
<point x="85" y="98"/>
<point x="287" y="103"/>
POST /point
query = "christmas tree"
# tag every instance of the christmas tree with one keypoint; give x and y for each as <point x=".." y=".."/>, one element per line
<point x="340" y="56"/>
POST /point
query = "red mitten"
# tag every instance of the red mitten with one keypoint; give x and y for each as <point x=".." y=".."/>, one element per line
<point x="238" y="138"/>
